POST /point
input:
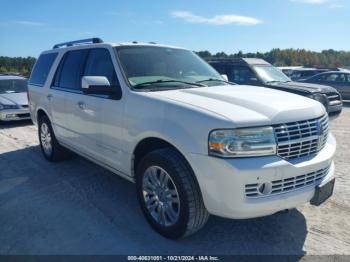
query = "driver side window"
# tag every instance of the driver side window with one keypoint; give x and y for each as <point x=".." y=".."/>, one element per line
<point x="99" y="63"/>
<point x="241" y="75"/>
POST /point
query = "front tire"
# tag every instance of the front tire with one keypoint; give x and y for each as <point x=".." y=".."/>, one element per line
<point x="50" y="147"/>
<point x="169" y="194"/>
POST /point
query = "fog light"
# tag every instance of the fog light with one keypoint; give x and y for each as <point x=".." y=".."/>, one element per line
<point x="265" y="188"/>
<point x="10" y="115"/>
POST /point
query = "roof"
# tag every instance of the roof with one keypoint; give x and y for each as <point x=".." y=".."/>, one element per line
<point x="249" y="61"/>
<point x="289" y="67"/>
<point x="97" y="42"/>
<point x="255" y="61"/>
<point x="135" y="43"/>
<point x="310" y="69"/>
<point x="10" y="77"/>
<point x="334" y="72"/>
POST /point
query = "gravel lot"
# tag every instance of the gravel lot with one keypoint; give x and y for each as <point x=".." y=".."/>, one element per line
<point x="76" y="207"/>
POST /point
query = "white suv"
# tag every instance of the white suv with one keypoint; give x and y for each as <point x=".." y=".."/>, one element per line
<point x="194" y="144"/>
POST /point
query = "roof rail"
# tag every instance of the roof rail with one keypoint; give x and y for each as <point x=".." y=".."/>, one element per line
<point x="94" y="40"/>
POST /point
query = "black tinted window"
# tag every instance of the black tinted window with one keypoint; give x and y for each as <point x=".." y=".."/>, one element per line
<point x="319" y="78"/>
<point x="99" y="63"/>
<point x="70" y="71"/>
<point x="338" y="78"/>
<point x="242" y="75"/>
<point x="42" y="69"/>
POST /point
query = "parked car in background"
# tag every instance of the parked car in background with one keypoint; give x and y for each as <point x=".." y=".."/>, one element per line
<point x="13" y="98"/>
<point x="194" y="144"/>
<point x="258" y="72"/>
<point x="340" y="80"/>
<point x="288" y="70"/>
<point x="304" y="73"/>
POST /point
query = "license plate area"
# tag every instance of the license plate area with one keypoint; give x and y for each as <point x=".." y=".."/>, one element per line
<point x="322" y="193"/>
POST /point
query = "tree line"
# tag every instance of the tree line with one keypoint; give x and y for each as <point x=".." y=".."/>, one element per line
<point x="277" y="57"/>
<point x="292" y="57"/>
<point x="21" y="65"/>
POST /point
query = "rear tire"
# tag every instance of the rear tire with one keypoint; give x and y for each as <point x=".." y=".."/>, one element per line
<point x="50" y="147"/>
<point x="169" y="194"/>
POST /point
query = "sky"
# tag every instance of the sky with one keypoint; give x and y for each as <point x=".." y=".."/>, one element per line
<point x="32" y="26"/>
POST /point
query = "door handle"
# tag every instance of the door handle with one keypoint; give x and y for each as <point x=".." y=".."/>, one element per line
<point x="49" y="96"/>
<point x="81" y="105"/>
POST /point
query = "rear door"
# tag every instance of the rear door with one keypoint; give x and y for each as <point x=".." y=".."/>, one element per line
<point x="38" y="91"/>
<point x="346" y="92"/>
<point x="336" y="80"/>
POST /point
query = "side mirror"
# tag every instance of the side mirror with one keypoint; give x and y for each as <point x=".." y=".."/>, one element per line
<point x="224" y="76"/>
<point x="99" y="85"/>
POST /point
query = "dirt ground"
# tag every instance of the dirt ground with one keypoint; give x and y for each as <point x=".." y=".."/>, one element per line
<point x="77" y="207"/>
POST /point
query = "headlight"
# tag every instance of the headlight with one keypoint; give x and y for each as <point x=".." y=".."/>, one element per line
<point x="8" y="107"/>
<point x="320" y="98"/>
<point x="242" y="142"/>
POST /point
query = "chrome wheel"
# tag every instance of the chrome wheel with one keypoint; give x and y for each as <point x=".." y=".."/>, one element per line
<point x="46" y="139"/>
<point x="161" y="196"/>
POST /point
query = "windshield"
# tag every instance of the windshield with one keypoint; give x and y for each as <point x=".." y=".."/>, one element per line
<point x="13" y="86"/>
<point x="160" y="68"/>
<point x="270" y="74"/>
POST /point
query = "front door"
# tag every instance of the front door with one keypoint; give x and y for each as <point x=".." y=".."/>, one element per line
<point x="106" y="111"/>
<point x="80" y="122"/>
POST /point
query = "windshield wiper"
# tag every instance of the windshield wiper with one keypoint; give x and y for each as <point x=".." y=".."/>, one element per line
<point x="216" y="80"/>
<point x="275" y="81"/>
<point x="160" y="81"/>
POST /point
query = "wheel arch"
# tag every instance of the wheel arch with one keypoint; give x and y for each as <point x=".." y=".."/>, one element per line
<point x="147" y="145"/>
<point x="41" y="112"/>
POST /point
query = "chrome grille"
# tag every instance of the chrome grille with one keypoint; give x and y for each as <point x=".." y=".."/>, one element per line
<point x="287" y="184"/>
<point x="302" y="138"/>
<point x="333" y="98"/>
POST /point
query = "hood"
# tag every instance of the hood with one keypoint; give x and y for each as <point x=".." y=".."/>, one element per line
<point x="313" y="88"/>
<point x="247" y="105"/>
<point x="14" y="98"/>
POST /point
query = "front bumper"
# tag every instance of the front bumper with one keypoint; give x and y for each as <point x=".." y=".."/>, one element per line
<point x="223" y="181"/>
<point x="335" y="109"/>
<point x="14" y="114"/>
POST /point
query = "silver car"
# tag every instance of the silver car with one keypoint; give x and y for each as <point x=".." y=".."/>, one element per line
<point x="13" y="98"/>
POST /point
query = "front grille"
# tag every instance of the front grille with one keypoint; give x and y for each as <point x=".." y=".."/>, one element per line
<point x="23" y="115"/>
<point x="302" y="138"/>
<point x="285" y="185"/>
<point x="333" y="98"/>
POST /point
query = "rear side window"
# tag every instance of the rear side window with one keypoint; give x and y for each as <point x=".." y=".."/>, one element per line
<point x="69" y="73"/>
<point x="99" y="63"/>
<point x="42" y="69"/>
<point x="339" y="78"/>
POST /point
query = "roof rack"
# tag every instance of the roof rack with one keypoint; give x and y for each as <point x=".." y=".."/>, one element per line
<point x="94" y="40"/>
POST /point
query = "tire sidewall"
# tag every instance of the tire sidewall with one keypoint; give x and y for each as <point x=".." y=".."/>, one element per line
<point x="45" y="120"/>
<point x="179" y="228"/>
